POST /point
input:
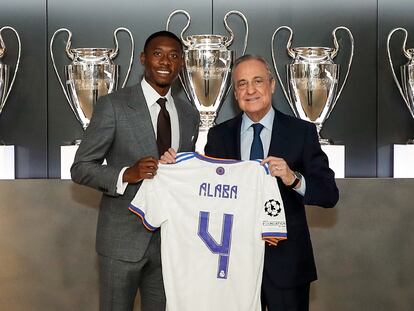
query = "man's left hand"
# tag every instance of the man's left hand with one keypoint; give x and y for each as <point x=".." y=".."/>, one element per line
<point x="168" y="157"/>
<point x="279" y="168"/>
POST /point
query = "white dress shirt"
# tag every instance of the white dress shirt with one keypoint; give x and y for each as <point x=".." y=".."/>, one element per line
<point x="246" y="134"/>
<point x="151" y="97"/>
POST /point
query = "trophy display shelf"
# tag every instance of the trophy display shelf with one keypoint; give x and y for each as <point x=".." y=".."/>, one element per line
<point x="67" y="155"/>
<point x="403" y="161"/>
<point x="336" y="157"/>
<point x="7" y="162"/>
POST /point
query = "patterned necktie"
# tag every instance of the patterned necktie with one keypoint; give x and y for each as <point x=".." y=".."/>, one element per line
<point x="163" y="128"/>
<point x="256" y="151"/>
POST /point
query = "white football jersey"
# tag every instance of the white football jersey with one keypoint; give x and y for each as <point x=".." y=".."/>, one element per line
<point x="215" y="216"/>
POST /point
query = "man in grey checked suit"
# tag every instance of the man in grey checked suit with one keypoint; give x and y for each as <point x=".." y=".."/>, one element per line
<point x="123" y="130"/>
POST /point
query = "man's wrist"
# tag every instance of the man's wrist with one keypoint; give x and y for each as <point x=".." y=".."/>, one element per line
<point x="129" y="177"/>
<point x="297" y="178"/>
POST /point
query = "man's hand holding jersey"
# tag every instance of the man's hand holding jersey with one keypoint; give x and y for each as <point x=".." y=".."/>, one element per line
<point x="168" y="157"/>
<point x="144" y="168"/>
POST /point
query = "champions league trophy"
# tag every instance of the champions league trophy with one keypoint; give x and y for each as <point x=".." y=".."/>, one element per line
<point x="406" y="87"/>
<point x="404" y="153"/>
<point x="313" y="79"/>
<point x="91" y="74"/>
<point x="7" y="152"/>
<point x="206" y="75"/>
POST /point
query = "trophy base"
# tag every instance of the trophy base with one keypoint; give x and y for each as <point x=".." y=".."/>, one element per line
<point x="207" y="119"/>
<point x="7" y="162"/>
<point x="336" y="157"/>
<point x="403" y="161"/>
<point x="325" y="141"/>
<point x="201" y="141"/>
<point x="322" y="141"/>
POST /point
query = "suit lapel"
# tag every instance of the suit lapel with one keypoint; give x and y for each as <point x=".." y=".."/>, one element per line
<point x="237" y="138"/>
<point x="141" y="119"/>
<point x="233" y="134"/>
<point x="280" y="136"/>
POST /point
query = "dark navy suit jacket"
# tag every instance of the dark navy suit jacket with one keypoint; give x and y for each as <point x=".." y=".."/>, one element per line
<point x="290" y="263"/>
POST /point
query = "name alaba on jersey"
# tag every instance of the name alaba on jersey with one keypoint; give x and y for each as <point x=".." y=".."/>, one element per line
<point x="215" y="216"/>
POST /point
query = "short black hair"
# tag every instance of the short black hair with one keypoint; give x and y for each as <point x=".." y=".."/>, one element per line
<point x="162" y="33"/>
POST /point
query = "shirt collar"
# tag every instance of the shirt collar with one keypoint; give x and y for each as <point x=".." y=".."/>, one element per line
<point x="151" y="95"/>
<point x="266" y="121"/>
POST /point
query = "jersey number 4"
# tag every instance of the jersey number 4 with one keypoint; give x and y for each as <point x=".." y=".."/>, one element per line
<point x="222" y="249"/>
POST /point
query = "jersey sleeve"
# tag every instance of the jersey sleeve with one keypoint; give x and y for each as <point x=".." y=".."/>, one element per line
<point x="273" y="213"/>
<point x="146" y="204"/>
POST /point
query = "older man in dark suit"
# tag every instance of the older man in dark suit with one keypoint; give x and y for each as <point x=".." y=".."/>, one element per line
<point x="131" y="128"/>
<point x="301" y="167"/>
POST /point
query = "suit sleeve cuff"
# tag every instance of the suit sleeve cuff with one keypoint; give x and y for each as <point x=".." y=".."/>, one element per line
<point x="120" y="185"/>
<point x="302" y="189"/>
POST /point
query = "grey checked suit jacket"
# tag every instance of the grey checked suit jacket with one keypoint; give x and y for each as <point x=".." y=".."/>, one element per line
<point x="121" y="132"/>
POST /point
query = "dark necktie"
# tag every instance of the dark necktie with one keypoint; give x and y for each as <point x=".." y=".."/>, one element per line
<point x="163" y="128"/>
<point x="256" y="151"/>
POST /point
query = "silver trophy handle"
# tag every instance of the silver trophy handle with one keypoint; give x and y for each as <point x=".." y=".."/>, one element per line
<point x="230" y="41"/>
<point x="246" y="25"/>
<point x="291" y="53"/>
<point x="70" y="54"/>
<point x="392" y="65"/>
<point x="186" y="42"/>
<point x="2" y="104"/>
<point x="115" y="52"/>
<point x="351" y="56"/>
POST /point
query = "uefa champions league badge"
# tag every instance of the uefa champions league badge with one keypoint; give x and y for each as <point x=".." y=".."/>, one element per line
<point x="220" y="170"/>
<point x="272" y="208"/>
